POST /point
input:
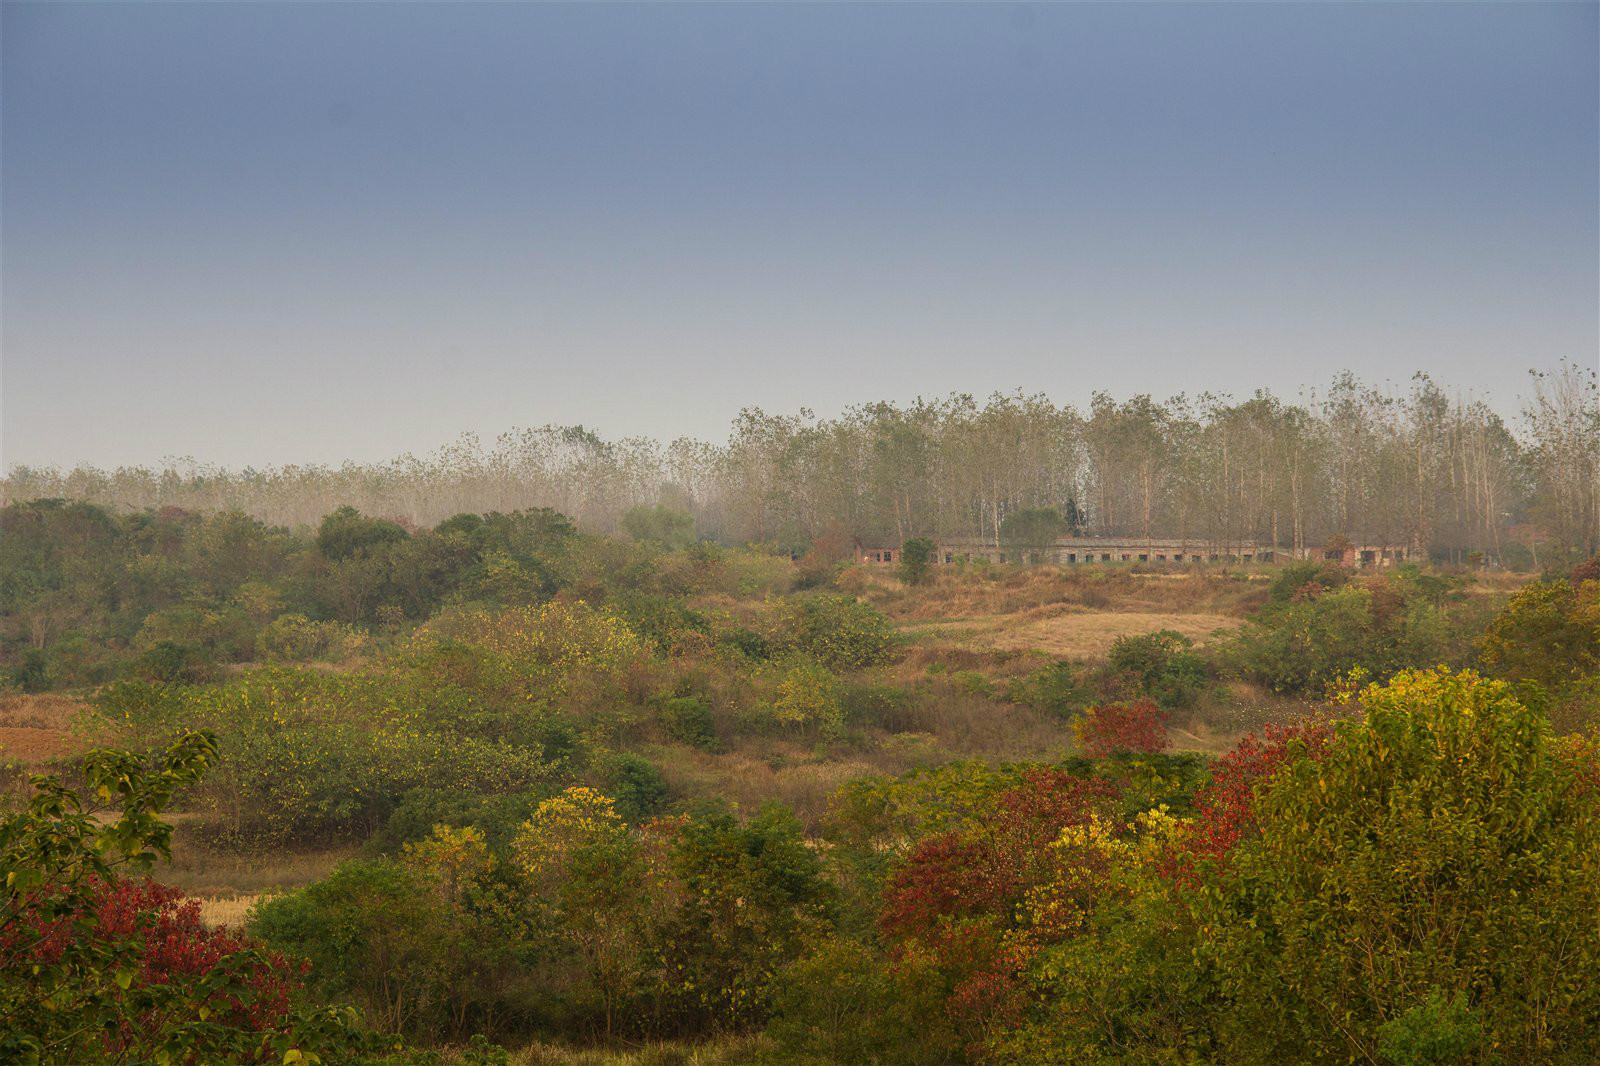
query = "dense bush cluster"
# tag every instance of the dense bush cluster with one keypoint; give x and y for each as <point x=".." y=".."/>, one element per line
<point x="1321" y="623"/>
<point x="580" y="924"/>
<point x="173" y="595"/>
<point x="1369" y="891"/>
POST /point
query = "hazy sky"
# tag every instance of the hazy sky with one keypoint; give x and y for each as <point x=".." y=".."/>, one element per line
<point x="260" y="234"/>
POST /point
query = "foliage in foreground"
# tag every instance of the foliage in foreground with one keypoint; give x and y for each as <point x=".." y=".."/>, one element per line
<point x="1416" y="885"/>
<point x="97" y="968"/>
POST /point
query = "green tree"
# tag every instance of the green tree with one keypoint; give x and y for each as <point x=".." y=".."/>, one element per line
<point x="347" y="533"/>
<point x="1549" y="633"/>
<point x="916" y="560"/>
<point x="1443" y="846"/>
<point x="1032" y="532"/>
<point x="660" y="526"/>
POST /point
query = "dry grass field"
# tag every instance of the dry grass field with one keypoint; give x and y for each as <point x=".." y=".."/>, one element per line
<point x="207" y="872"/>
<point x="981" y="591"/>
<point x="1067" y="632"/>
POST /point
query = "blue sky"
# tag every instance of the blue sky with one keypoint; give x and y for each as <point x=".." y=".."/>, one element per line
<point x="261" y="234"/>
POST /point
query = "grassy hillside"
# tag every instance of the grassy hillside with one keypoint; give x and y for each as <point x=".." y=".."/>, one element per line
<point x="605" y="800"/>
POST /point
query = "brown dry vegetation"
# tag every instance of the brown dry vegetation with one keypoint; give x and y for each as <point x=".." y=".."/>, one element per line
<point x="1067" y="632"/>
<point x="210" y="873"/>
<point x="729" y="1050"/>
<point x="985" y="591"/>
<point x="228" y="910"/>
<point x="1058" y="612"/>
<point x="955" y="716"/>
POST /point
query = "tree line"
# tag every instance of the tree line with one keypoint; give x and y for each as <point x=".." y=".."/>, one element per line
<point x="1430" y="468"/>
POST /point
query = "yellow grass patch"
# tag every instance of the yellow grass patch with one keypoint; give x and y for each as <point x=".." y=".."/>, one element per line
<point x="226" y="910"/>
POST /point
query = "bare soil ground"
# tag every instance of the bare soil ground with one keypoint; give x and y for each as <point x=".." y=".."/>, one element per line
<point x="41" y="728"/>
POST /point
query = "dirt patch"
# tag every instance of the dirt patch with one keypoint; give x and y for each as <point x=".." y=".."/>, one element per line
<point x="39" y="728"/>
<point x="27" y="744"/>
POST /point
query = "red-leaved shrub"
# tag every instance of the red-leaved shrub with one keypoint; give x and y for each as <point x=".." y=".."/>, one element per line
<point x="957" y="900"/>
<point x="1138" y="726"/>
<point x="172" y="946"/>
<point x="1225" y="806"/>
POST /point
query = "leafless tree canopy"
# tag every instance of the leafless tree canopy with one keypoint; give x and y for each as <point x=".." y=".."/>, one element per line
<point x="1432" y="468"/>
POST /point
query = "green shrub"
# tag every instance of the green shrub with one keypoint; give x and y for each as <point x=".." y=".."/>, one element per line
<point x="294" y="638"/>
<point x="1436" y="1032"/>
<point x="216" y="633"/>
<point x="1294" y="577"/>
<point x="421" y="809"/>
<point x="1055" y="688"/>
<point x="32" y="674"/>
<point x="1445" y="842"/>
<point x="636" y="784"/>
<point x="747" y="642"/>
<point x="887" y="707"/>
<point x="688" y="719"/>
<point x="1380" y="626"/>
<point x="310" y="755"/>
<point x="1549" y="633"/>
<point x="1161" y="665"/>
<point x="661" y="527"/>
<point x="842" y="1004"/>
<point x="837" y="631"/>
<point x="758" y="897"/>
<point x="973" y="682"/>
<point x="662" y="620"/>
<point x="347" y="534"/>
<point x="170" y="662"/>
<point x="808" y="697"/>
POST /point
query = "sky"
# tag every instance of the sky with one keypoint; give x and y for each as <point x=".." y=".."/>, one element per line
<point x="260" y="234"/>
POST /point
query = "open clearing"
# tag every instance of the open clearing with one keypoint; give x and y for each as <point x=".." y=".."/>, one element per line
<point x="1067" y="632"/>
<point x="36" y="729"/>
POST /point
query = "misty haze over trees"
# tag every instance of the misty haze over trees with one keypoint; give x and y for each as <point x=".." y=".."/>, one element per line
<point x="1427" y="469"/>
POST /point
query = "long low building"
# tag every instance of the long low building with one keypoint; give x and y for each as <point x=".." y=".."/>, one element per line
<point x="1069" y="551"/>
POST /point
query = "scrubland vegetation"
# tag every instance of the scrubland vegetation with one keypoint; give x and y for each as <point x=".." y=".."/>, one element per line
<point x="506" y="790"/>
